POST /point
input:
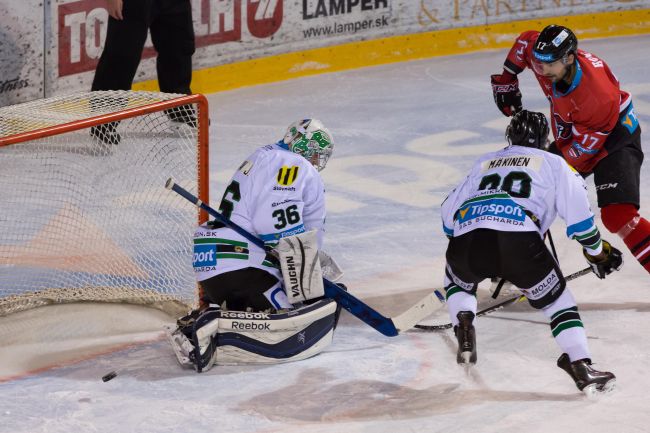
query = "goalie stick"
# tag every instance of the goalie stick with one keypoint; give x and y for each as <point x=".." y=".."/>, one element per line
<point x="495" y="307"/>
<point x="388" y="326"/>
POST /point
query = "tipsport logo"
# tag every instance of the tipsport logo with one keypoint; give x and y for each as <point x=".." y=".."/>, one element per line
<point x="491" y="210"/>
<point x="287" y="175"/>
<point x="205" y="256"/>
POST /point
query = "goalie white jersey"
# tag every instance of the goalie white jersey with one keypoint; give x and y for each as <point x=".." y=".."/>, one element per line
<point x="521" y="189"/>
<point x="275" y="193"/>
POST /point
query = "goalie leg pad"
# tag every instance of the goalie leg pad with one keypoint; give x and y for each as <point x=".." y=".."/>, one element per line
<point x="180" y="336"/>
<point x="204" y="340"/>
<point x="238" y="337"/>
<point x="181" y="345"/>
<point x="276" y="338"/>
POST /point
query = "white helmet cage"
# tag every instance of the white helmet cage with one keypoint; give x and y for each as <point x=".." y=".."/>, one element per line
<point x="310" y="138"/>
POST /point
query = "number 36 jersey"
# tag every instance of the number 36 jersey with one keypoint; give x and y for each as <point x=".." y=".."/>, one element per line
<point x="274" y="193"/>
<point x="521" y="189"/>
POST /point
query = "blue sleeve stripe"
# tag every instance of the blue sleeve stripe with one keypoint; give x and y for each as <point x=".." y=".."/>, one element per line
<point x="448" y="232"/>
<point x="580" y="227"/>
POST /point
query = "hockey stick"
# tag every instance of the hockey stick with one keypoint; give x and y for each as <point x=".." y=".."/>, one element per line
<point x="389" y="327"/>
<point x="500" y="305"/>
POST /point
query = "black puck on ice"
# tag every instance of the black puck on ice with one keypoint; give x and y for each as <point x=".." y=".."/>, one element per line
<point x="109" y="376"/>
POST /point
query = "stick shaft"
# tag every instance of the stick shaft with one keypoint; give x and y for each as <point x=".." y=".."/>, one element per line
<point x="498" y="306"/>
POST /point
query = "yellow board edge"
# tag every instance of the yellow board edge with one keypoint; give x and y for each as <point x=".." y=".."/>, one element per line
<point x="403" y="48"/>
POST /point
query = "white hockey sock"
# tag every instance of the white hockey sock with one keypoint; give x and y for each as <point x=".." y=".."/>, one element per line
<point x="460" y="301"/>
<point x="567" y="327"/>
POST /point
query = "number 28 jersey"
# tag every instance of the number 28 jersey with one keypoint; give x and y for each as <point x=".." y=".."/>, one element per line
<point x="521" y="189"/>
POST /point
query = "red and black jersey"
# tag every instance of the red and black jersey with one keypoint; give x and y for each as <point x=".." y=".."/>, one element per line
<point x="584" y="115"/>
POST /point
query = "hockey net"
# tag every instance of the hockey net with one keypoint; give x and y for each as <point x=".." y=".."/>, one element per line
<point x="85" y="213"/>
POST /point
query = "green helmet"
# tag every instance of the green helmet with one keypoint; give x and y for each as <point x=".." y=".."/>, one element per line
<point x="309" y="138"/>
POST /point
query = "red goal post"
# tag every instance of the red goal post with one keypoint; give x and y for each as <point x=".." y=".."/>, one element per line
<point x="85" y="213"/>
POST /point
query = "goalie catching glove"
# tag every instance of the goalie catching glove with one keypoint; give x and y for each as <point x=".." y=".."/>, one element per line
<point x="331" y="270"/>
<point x="505" y="89"/>
<point x="608" y="261"/>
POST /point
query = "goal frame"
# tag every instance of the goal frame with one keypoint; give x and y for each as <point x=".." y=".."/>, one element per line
<point x="169" y="304"/>
<point x="203" y="134"/>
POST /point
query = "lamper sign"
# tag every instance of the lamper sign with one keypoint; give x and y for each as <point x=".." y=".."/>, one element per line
<point x="82" y="27"/>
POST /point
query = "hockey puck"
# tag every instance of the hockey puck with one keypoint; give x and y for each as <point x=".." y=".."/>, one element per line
<point x="109" y="376"/>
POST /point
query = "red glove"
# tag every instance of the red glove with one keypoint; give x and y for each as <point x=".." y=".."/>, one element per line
<point x="505" y="88"/>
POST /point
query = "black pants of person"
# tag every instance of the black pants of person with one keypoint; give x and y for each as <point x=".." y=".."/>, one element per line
<point x="618" y="176"/>
<point x="172" y="34"/>
<point x="520" y="257"/>
<point x="241" y="289"/>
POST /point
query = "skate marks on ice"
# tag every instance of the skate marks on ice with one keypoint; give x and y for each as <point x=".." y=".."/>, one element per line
<point x="312" y="399"/>
<point x="54" y="336"/>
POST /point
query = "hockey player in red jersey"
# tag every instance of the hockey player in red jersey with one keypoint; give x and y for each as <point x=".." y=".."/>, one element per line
<point x="594" y="124"/>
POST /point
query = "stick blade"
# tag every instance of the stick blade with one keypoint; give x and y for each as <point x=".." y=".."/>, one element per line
<point x="425" y="307"/>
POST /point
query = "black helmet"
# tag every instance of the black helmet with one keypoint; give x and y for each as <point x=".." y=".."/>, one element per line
<point x="528" y="128"/>
<point x="553" y="43"/>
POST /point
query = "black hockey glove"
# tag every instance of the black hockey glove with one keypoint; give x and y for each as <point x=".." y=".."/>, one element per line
<point x="505" y="88"/>
<point x="552" y="148"/>
<point x="611" y="260"/>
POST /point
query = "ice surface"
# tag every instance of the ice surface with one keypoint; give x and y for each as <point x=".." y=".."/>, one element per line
<point x="405" y="134"/>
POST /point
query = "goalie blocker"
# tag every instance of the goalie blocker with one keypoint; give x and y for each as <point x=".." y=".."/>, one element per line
<point x="304" y="266"/>
<point x="236" y="337"/>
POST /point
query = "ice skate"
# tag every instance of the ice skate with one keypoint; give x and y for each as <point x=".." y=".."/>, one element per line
<point x="105" y="137"/>
<point x="106" y="133"/>
<point x="181" y="116"/>
<point x="466" y="336"/>
<point x="587" y="379"/>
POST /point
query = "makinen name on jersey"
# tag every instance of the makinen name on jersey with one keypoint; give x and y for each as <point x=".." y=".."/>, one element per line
<point x="529" y="161"/>
<point x="490" y="207"/>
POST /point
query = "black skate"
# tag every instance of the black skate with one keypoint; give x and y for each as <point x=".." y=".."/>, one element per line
<point x="183" y="115"/>
<point x="106" y="133"/>
<point x="466" y="336"/>
<point x="587" y="379"/>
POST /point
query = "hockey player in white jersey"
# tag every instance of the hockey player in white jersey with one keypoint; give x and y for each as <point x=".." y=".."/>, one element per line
<point x="276" y="193"/>
<point x="496" y="219"/>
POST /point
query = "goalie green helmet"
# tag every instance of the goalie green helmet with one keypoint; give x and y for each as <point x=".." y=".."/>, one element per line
<point x="310" y="138"/>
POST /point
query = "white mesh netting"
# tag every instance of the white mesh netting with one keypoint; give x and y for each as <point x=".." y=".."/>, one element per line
<point x="85" y="214"/>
